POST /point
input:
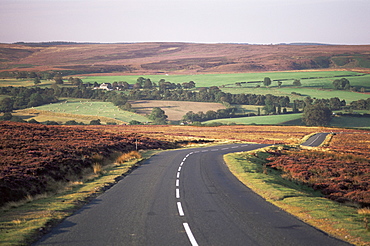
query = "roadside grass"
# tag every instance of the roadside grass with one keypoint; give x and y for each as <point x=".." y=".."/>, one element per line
<point x="21" y="223"/>
<point x="343" y="221"/>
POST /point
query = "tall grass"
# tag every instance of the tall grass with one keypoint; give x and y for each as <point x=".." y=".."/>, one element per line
<point x="128" y="157"/>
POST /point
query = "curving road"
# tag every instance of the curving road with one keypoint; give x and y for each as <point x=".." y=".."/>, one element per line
<point x="184" y="197"/>
<point x="315" y="140"/>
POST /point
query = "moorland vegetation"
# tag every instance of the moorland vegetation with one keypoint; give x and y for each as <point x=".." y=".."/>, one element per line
<point x="40" y="159"/>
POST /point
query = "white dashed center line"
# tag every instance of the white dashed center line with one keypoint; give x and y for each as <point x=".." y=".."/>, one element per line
<point x="179" y="207"/>
<point x="190" y="235"/>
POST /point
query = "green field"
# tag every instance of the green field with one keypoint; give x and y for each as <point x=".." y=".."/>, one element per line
<point x="260" y="120"/>
<point x="351" y="122"/>
<point x="314" y="84"/>
<point x="348" y="96"/>
<point x="87" y="107"/>
<point x="294" y="119"/>
<point x="204" y="80"/>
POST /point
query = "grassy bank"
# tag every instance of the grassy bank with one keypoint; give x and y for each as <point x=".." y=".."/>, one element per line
<point x="342" y="221"/>
<point x="23" y="222"/>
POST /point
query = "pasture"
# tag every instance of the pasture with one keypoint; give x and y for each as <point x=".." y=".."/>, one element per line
<point x="260" y="120"/>
<point x="91" y="108"/>
<point x="206" y="80"/>
<point x="316" y="84"/>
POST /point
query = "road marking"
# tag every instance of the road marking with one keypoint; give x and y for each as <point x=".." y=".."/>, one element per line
<point x="235" y="147"/>
<point x="182" y="163"/>
<point x="177" y="193"/>
<point x="179" y="169"/>
<point x="190" y="235"/>
<point x="177" y="183"/>
<point x="214" y="149"/>
<point x="179" y="207"/>
<point x="224" y="148"/>
<point x="178" y="175"/>
<point x="204" y="150"/>
<point x="184" y="159"/>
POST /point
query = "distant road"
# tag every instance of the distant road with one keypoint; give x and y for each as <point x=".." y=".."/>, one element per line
<point x="315" y="140"/>
<point x="184" y="197"/>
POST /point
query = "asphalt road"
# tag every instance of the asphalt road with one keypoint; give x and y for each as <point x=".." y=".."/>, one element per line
<point x="315" y="140"/>
<point x="184" y="197"/>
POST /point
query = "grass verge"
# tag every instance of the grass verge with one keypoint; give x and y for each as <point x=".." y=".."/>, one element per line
<point x="339" y="220"/>
<point x="24" y="222"/>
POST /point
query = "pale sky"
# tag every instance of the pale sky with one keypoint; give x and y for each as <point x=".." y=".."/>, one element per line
<point x="199" y="21"/>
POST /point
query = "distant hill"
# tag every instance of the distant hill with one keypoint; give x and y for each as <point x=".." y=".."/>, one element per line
<point x="186" y="58"/>
<point x="304" y="44"/>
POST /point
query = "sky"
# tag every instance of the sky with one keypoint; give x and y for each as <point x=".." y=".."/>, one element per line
<point x="197" y="21"/>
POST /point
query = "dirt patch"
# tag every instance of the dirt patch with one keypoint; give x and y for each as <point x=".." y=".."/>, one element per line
<point x="175" y="110"/>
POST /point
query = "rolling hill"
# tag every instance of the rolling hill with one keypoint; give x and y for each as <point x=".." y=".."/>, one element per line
<point x="181" y="58"/>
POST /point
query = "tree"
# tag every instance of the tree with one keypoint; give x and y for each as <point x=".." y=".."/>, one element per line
<point x="148" y="84"/>
<point x="36" y="81"/>
<point x="266" y="81"/>
<point x="341" y="84"/>
<point x="141" y="81"/>
<point x="317" y="115"/>
<point x="191" y="84"/>
<point x="6" y="116"/>
<point x="269" y="107"/>
<point x="135" y="122"/>
<point x="158" y="116"/>
<point x="95" y="122"/>
<point x="58" y="79"/>
<point x="35" y="100"/>
<point x="297" y="82"/>
<point x="6" y="105"/>
<point x="335" y="103"/>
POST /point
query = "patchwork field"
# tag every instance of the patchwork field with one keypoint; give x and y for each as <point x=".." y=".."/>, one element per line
<point x="175" y="110"/>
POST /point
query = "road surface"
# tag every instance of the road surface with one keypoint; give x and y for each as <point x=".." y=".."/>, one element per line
<point x="184" y="197"/>
<point x="315" y="140"/>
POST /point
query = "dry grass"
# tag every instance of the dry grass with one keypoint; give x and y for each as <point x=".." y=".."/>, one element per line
<point x="258" y="134"/>
<point x="97" y="168"/>
<point x="128" y="157"/>
<point x="365" y="211"/>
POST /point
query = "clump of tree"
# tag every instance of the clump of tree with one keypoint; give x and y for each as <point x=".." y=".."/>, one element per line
<point x="342" y="84"/>
<point x="23" y="97"/>
<point x="158" y="116"/>
<point x="209" y="115"/>
<point x="361" y="104"/>
<point x="317" y="115"/>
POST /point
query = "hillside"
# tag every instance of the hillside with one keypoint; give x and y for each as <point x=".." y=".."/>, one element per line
<point x="187" y="58"/>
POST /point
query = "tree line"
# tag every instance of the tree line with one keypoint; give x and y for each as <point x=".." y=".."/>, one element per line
<point x="25" y="97"/>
